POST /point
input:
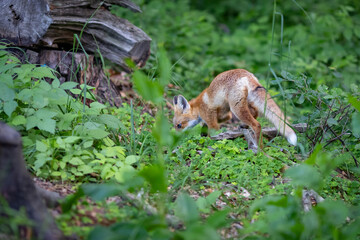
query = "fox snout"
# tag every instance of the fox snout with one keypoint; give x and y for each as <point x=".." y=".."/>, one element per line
<point x="180" y="126"/>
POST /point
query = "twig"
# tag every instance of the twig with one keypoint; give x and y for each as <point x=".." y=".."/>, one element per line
<point x="343" y="143"/>
<point x="267" y="132"/>
<point x="335" y="138"/>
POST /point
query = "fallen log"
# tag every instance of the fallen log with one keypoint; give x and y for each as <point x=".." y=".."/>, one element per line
<point x="116" y="38"/>
<point x="41" y="24"/>
<point x="54" y="31"/>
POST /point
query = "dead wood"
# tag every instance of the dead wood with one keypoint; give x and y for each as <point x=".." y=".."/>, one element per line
<point x="53" y="24"/>
<point x="95" y="3"/>
<point x="47" y="29"/>
<point x="267" y="132"/>
<point x="115" y="38"/>
<point x="17" y="187"/>
<point x="310" y="198"/>
<point x="24" y="22"/>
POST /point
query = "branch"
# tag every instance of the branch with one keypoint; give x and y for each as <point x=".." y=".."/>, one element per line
<point x="267" y="132"/>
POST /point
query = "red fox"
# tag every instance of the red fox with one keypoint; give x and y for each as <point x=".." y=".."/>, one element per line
<point x="237" y="91"/>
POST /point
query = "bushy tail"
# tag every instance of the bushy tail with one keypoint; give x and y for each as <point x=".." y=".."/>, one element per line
<point x="273" y="113"/>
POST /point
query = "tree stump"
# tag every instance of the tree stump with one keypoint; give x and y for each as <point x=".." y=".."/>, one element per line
<point x="18" y="189"/>
<point x="63" y="33"/>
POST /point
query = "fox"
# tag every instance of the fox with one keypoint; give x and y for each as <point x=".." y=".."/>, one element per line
<point x="235" y="91"/>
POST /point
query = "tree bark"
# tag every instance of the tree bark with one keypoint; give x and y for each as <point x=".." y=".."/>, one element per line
<point x="17" y="187"/>
<point x="66" y="34"/>
<point x="24" y="22"/>
<point x="98" y="30"/>
<point x="37" y="23"/>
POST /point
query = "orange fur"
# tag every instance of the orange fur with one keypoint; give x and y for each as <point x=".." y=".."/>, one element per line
<point x="237" y="91"/>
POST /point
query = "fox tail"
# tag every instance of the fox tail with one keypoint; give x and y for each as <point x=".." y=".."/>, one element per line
<point x="267" y="106"/>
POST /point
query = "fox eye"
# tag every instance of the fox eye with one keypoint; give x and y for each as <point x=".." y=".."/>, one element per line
<point x="179" y="125"/>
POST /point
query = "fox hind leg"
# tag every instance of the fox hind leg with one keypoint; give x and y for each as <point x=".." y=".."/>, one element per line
<point x="240" y="107"/>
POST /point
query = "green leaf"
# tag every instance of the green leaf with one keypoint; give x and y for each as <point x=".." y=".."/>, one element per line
<point x="211" y="199"/>
<point x="19" y="120"/>
<point x="218" y="219"/>
<point x="305" y="175"/>
<point x="39" y="163"/>
<point x="205" y="203"/>
<point x="9" y="107"/>
<point x="97" y="105"/>
<point x="99" y="192"/>
<point x="61" y="143"/>
<point x="111" y="121"/>
<point x="76" y="161"/>
<point x="25" y="95"/>
<point x="357" y="32"/>
<point x="131" y="159"/>
<point x="301" y="99"/>
<point x="161" y="132"/>
<point x="312" y="159"/>
<point x="56" y="174"/>
<point x="45" y="113"/>
<point x="62" y="165"/>
<point x="86" y="169"/>
<point x="41" y="72"/>
<point x="66" y="120"/>
<point x="148" y="89"/>
<point x="32" y="122"/>
<point x="39" y="101"/>
<point x="47" y="125"/>
<point x="165" y="68"/>
<point x="354" y="102"/>
<point x="97" y="133"/>
<point x="155" y="176"/>
<point x="68" y="85"/>
<point x="200" y="232"/>
<point x="55" y="83"/>
<point x="41" y="147"/>
<point x="334" y="212"/>
<point x="75" y="91"/>
<point x="108" y="142"/>
<point x="332" y="121"/>
<point x="355" y="124"/>
<point x="71" y="200"/>
<point x="71" y="139"/>
<point x="186" y="209"/>
<point x="88" y="87"/>
<point x="6" y="67"/>
<point x="125" y="174"/>
<point x="88" y="144"/>
<point x="44" y="85"/>
<point x="7" y="79"/>
<point x="92" y="125"/>
<point x="6" y="93"/>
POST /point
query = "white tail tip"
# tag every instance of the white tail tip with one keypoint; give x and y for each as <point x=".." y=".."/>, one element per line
<point x="292" y="139"/>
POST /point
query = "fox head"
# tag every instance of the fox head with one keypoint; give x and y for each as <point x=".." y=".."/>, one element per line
<point x="184" y="116"/>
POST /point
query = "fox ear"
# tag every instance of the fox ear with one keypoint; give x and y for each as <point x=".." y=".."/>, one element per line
<point x="181" y="103"/>
<point x="175" y="100"/>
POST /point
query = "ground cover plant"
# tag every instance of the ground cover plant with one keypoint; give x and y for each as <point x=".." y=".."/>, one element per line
<point x="136" y="178"/>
